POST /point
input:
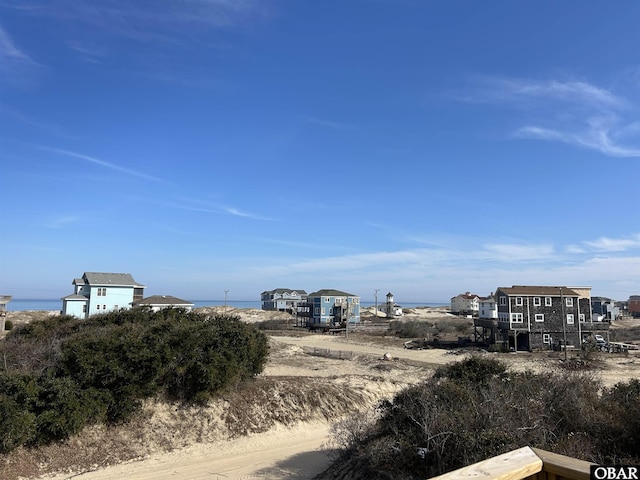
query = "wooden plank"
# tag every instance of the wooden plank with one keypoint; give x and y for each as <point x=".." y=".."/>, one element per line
<point x="563" y="466"/>
<point x="514" y="465"/>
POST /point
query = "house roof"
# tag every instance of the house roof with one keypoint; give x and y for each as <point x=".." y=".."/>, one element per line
<point x="163" y="300"/>
<point x="284" y="290"/>
<point x="467" y="295"/>
<point x="114" y="279"/>
<point x="600" y="299"/>
<point x="328" y="292"/>
<point x="634" y="298"/>
<point x="75" y="296"/>
<point x="543" y="291"/>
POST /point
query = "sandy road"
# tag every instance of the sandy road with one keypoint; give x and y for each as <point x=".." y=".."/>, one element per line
<point x="294" y="454"/>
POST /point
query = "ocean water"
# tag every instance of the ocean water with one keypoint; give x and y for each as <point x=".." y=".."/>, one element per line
<point x="19" y="305"/>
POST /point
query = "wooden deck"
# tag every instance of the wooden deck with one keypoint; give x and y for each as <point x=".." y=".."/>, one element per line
<point x="524" y="464"/>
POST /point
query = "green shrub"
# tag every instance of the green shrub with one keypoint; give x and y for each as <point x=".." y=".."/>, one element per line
<point x="62" y="374"/>
<point x="477" y="409"/>
<point x="411" y="328"/>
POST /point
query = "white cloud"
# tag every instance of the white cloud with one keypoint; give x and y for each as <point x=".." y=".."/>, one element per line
<point x="147" y="20"/>
<point x="14" y="63"/>
<point x="327" y="123"/>
<point x="102" y="163"/>
<point x="517" y="252"/>
<point x="615" y="244"/>
<point x="62" y="221"/>
<point x="574" y="112"/>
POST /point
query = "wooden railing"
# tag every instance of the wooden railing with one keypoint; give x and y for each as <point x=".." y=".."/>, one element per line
<point x="524" y="464"/>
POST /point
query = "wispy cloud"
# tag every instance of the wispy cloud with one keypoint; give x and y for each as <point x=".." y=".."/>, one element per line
<point x="62" y="221"/>
<point x="203" y="206"/>
<point x="615" y="244"/>
<point x="327" y="123"/>
<point x="147" y="20"/>
<point x="520" y="90"/>
<point x="518" y="252"/>
<point x="13" y="61"/>
<point x="101" y="163"/>
<point x="577" y="113"/>
<point x="90" y="54"/>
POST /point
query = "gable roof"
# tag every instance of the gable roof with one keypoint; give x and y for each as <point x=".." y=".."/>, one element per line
<point x="328" y="292"/>
<point x="113" y="279"/>
<point x="467" y="295"/>
<point x="285" y="290"/>
<point x="75" y="296"/>
<point x="542" y="291"/>
<point x="163" y="300"/>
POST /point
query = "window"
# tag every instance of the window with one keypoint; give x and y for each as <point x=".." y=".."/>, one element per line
<point x="569" y="301"/>
<point x="539" y="317"/>
<point x="517" y="318"/>
<point x="570" y="318"/>
<point x="503" y="300"/>
<point x="546" y="338"/>
<point x="581" y="318"/>
<point x="327" y="299"/>
<point x="536" y="301"/>
<point x="316" y="311"/>
<point x="547" y="301"/>
<point x="84" y="308"/>
<point x="519" y="301"/>
<point x="104" y="307"/>
<point x="323" y="311"/>
<point x="115" y="307"/>
<point x="97" y="307"/>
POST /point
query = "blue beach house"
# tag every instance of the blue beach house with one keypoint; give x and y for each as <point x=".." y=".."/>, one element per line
<point x="333" y="307"/>
<point x="100" y="293"/>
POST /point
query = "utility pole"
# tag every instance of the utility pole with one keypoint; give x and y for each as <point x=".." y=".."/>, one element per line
<point x="375" y="294"/>
<point x="225" y="300"/>
<point x="564" y="328"/>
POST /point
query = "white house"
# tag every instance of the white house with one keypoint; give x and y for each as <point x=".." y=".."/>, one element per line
<point x="158" y="302"/>
<point x="465" y="303"/>
<point x="391" y="308"/>
<point x="97" y="292"/>
<point x="487" y="307"/>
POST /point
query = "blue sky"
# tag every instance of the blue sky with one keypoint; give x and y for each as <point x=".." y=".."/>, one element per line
<point x="425" y="148"/>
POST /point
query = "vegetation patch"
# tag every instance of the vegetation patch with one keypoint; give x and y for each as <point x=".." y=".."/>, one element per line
<point x="62" y="374"/>
<point x="477" y="408"/>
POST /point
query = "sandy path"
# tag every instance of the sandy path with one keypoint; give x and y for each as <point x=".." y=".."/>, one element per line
<point x="294" y="454"/>
<point x="434" y="357"/>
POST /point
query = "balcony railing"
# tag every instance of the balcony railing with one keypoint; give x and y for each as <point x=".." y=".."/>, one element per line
<point x="524" y="464"/>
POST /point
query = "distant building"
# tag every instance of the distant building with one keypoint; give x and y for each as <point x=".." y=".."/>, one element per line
<point x="4" y="300"/>
<point x="604" y="308"/>
<point x="282" y="299"/>
<point x="538" y="317"/>
<point x="328" y="308"/>
<point x="158" y="302"/>
<point x="391" y="309"/>
<point x="633" y="305"/>
<point x="97" y="292"/>
<point x="487" y="307"/>
<point x="465" y="304"/>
